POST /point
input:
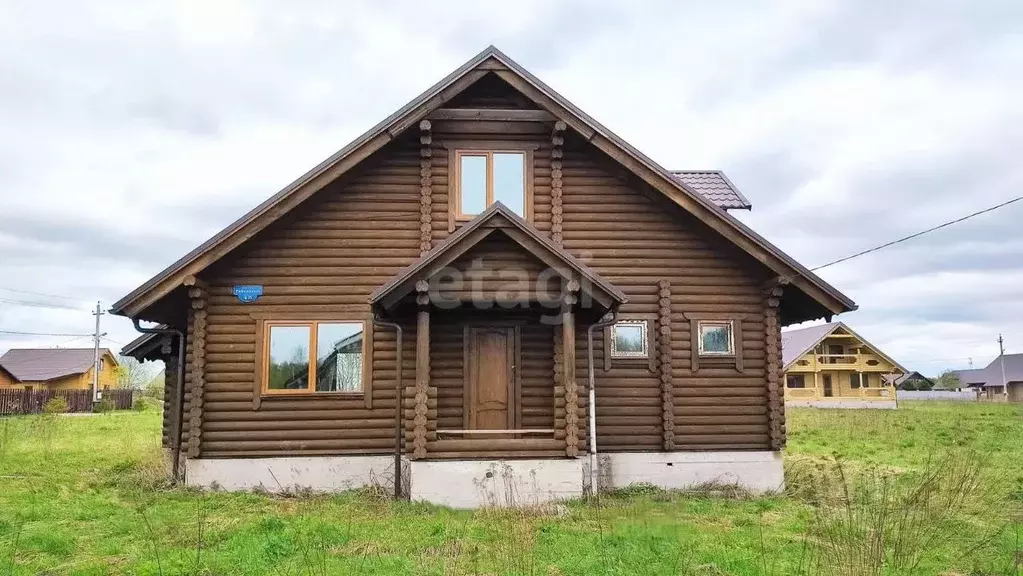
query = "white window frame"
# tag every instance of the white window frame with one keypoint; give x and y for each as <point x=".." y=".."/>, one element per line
<point x="716" y="323"/>
<point x="644" y="333"/>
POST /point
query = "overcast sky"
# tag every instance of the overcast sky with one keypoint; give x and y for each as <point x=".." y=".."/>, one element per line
<point x="135" y="130"/>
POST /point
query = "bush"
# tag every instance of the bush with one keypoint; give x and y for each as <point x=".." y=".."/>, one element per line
<point x="145" y="404"/>
<point x="56" y="405"/>
<point x="154" y="389"/>
<point x="103" y="406"/>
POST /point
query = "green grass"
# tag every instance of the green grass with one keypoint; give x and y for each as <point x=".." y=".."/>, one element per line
<point x="83" y="495"/>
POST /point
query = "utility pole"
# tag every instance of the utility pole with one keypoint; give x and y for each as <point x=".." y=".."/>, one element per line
<point x="1001" y="360"/>
<point x="95" y="354"/>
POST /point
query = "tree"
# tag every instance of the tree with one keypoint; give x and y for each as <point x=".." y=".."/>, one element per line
<point x="948" y="380"/>
<point x="132" y="374"/>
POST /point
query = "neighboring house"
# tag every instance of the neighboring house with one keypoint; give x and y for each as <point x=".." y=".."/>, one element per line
<point x="496" y="224"/>
<point x="56" y="369"/>
<point x="910" y="381"/>
<point x="990" y="382"/>
<point x="830" y="366"/>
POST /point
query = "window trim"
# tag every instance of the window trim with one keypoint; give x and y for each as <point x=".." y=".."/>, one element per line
<point x="731" y="338"/>
<point x="313" y="326"/>
<point x="698" y="360"/>
<point x="645" y="332"/>
<point x="650" y="359"/>
<point x="261" y="364"/>
<point x="457" y="148"/>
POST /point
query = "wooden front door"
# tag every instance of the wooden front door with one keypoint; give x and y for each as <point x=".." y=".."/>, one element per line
<point x="490" y="402"/>
<point x="828" y="392"/>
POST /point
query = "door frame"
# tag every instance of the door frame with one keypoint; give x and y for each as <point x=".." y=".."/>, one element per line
<point x="514" y="377"/>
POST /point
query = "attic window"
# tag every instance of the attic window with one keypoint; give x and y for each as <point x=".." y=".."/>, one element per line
<point x="485" y="177"/>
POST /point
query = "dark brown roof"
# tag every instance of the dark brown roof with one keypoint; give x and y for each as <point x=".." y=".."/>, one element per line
<point x="489" y="61"/>
<point x="714" y="186"/>
<point x="403" y="282"/>
<point x="41" y="364"/>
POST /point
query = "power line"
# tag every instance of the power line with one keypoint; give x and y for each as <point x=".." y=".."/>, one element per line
<point x="41" y="294"/>
<point x="37" y="304"/>
<point x="911" y="236"/>
<point x="77" y="336"/>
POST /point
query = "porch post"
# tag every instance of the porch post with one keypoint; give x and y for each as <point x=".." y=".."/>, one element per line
<point x="568" y="377"/>
<point x="422" y="398"/>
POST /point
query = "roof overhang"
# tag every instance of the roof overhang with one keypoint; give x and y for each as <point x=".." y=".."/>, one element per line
<point x="497" y="219"/>
<point x="490" y="61"/>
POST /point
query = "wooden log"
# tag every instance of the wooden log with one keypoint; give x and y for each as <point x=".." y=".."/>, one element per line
<point x="495" y="444"/>
<point x="420" y="417"/>
<point x="492" y="114"/>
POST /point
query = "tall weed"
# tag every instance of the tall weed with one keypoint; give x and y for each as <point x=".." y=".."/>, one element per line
<point x="877" y="521"/>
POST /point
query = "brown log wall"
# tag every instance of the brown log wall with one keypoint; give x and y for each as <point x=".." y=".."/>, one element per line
<point x="324" y="258"/>
<point x="332" y="252"/>
<point x="634" y="238"/>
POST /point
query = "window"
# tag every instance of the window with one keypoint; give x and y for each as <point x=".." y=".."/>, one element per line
<point x="291" y="366"/>
<point x="629" y="339"/>
<point x="485" y="177"/>
<point x="716" y="339"/>
<point x="795" y="381"/>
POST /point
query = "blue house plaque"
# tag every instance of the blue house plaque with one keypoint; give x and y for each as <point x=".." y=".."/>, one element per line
<point x="248" y="294"/>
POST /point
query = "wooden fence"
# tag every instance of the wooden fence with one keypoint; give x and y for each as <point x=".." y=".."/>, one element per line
<point x="18" y="401"/>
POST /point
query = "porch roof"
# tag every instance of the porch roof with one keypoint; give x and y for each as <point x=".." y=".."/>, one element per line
<point x="497" y="218"/>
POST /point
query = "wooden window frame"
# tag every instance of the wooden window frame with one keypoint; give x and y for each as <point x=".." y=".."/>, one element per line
<point x="457" y="149"/>
<point x="646" y="333"/>
<point x="731" y="338"/>
<point x="698" y="358"/>
<point x="263" y="323"/>
<point x="650" y="359"/>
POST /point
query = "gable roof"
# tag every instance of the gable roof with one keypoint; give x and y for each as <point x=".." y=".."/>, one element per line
<point x="489" y="61"/>
<point x="497" y="217"/>
<point x="796" y="343"/>
<point x="1013" y="368"/>
<point x="898" y="381"/>
<point x="9" y="375"/>
<point x="991" y="375"/>
<point x="971" y="377"/>
<point x="41" y="364"/>
<point x="714" y="186"/>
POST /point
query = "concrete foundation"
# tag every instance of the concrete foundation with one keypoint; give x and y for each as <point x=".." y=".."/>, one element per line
<point x="495" y="483"/>
<point x="758" y="472"/>
<point x="843" y="403"/>
<point x="316" y="473"/>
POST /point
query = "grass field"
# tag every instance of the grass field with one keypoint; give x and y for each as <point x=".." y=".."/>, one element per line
<point x="933" y="488"/>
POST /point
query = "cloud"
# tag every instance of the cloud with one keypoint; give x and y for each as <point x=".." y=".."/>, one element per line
<point x="142" y="128"/>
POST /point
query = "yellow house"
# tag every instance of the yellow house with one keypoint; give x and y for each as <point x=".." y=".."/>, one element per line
<point x="830" y="366"/>
<point x="56" y="369"/>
